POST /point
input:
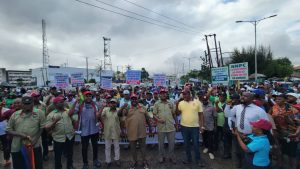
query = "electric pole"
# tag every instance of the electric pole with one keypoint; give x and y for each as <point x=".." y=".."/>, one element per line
<point x="218" y="61"/>
<point x="222" y="63"/>
<point x="87" y="69"/>
<point x="107" y="58"/>
<point x="45" y="54"/>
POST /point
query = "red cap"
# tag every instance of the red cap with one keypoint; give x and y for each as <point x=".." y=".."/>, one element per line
<point x="133" y="96"/>
<point x="58" y="99"/>
<point x="262" y="124"/>
<point x="163" y="91"/>
<point x="34" y="94"/>
<point x="87" y="93"/>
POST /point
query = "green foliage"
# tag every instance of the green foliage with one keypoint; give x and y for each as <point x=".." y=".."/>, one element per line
<point x="266" y="65"/>
<point x="92" y="81"/>
<point x="144" y="74"/>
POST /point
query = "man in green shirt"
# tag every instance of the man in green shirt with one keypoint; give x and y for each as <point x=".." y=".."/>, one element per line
<point x="59" y="123"/>
<point x="164" y="113"/>
<point x="26" y="127"/>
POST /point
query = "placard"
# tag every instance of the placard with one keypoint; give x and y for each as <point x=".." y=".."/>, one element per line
<point x="219" y="75"/>
<point x="239" y="71"/>
<point x="106" y="83"/>
<point x="159" y="79"/>
<point x="77" y="79"/>
<point x="61" y="80"/>
<point x="133" y="77"/>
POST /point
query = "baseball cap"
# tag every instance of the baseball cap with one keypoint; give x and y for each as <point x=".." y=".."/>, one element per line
<point x="113" y="100"/>
<point x="126" y="92"/>
<point x="262" y="124"/>
<point x="58" y="99"/>
<point x="293" y="94"/>
<point x="27" y="100"/>
<point x="163" y="91"/>
<point x="87" y="93"/>
<point x="133" y="96"/>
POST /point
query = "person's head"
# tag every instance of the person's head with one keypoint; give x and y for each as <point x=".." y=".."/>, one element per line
<point x="58" y="102"/>
<point x="149" y="96"/>
<point x="88" y="96"/>
<point x="247" y="98"/>
<point x="204" y="100"/>
<point x="163" y="94"/>
<point x="36" y="98"/>
<point x="280" y="99"/>
<point x="258" y="127"/>
<point x="70" y="96"/>
<point x="155" y="95"/>
<point x="235" y="98"/>
<point x="53" y="90"/>
<point x="97" y="95"/>
<point x="126" y="94"/>
<point x="222" y="97"/>
<point x="27" y="103"/>
<point x="17" y="104"/>
<point x="134" y="100"/>
<point x="113" y="104"/>
<point x="186" y="95"/>
<point x="200" y="95"/>
<point x="292" y="98"/>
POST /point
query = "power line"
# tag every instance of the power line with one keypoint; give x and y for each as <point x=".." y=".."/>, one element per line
<point x="147" y="9"/>
<point x="182" y="28"/>
<point x="134" y="17"/>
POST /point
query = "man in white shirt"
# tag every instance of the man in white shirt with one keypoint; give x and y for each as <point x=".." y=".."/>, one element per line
<point x="244" y="113"/>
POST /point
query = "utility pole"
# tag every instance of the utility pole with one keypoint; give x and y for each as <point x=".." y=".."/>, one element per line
<point x="218" y="61"/>
<point x="87" y="69"/>
<point x="208" y="53"/>
<point x="107" y="58"/>
<point x="222" y="63"/>
<point x="45" y="54"/>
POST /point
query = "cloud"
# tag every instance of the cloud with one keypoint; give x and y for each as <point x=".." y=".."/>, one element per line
<point x="75" y="31"/>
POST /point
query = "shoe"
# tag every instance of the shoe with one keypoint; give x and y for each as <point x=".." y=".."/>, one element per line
<point x="108" y="165"/>
<point x="172" y="160"/>
<point x="187" y="161"/>
<point x="200" y="164"/>
<point x="146" y="165"/>
<point x="118" y="163"/>
<point x="50" y="148"/>
<point x="85" y="166"/>
<point x="97" y="164"/>
<point x="205" y="150"/>
<point x="45" y="158"/>
<point x="211" y="156"/>
<point x="226" y="157"/>
<point x="161" y="160"/>
<point x="133" y="165"/>
<point x="7" y="163"/>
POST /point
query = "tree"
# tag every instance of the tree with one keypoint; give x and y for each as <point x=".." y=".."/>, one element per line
<point x="92" y="81"/>
<point x="144" y="74"/>
<point x="268" y="66"/>
<point x="20" y="82"/>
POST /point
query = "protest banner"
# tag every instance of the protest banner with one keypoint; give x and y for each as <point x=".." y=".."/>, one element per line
<point x="159" y="80"/>
<point x="133" y="77"/>
<point x="106" y="83"/>
<point x="77" y="79"/>
<point x="219" y="75"/>
<point x="239" y="71"/>
<point x="61" y="81"/>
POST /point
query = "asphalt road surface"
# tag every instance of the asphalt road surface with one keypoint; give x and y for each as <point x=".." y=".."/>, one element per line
<point x="152" y="156"/>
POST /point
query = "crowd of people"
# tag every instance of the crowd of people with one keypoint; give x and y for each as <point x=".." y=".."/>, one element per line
<point x="256" y="125"/>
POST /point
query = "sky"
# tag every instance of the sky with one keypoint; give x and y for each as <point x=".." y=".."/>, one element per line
<point x="75" y="30"/>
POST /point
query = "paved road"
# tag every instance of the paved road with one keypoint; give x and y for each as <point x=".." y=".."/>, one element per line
<point x="152" y="157"/>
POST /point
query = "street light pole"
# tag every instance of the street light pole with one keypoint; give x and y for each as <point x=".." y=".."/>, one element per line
<point x="255" y="22"/>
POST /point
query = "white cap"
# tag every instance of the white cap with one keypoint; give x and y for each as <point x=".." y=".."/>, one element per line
<point x="126" y="92"/>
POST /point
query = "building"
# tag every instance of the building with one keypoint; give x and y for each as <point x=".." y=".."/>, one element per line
<point x="46" y="76"/>
<point x="17" y="77"/>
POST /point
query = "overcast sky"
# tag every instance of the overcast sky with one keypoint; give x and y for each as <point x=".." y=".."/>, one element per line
<point x="75" y="30"/>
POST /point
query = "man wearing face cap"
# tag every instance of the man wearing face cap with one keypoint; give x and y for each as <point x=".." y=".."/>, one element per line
<point x="26" y="127"/>
<point x="136" y="129"/>
<point x="59" y="123"/>
<point x="88" y="127"/>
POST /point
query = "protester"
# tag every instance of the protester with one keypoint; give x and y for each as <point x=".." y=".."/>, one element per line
<point x="26" y="127"/>
<point x="191" y="124"/>
<point x="164" y="113"/>
<point x="112" y="131"/>
<point x="256" y="145"/>
<point x="59" y="123"/>
<point x="210" y="120"/>
<point x="136" y="129"/>
<point x="87" y="126"/>
<point x="244" y="113"/>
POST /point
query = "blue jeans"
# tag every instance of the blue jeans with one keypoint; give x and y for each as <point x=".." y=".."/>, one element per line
<point x="191" y="133"/>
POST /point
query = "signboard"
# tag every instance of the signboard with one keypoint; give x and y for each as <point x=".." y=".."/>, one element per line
<point x="133" y="77"/>
<point x="159" y="80"/>
<point x="219" y="75"/>
<point x="106" y="83"/>
<point x="107" y="73"/>
<point x="61" y="80"/>
<point x="77" y="79"/>
<point x="239" y="71"/>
